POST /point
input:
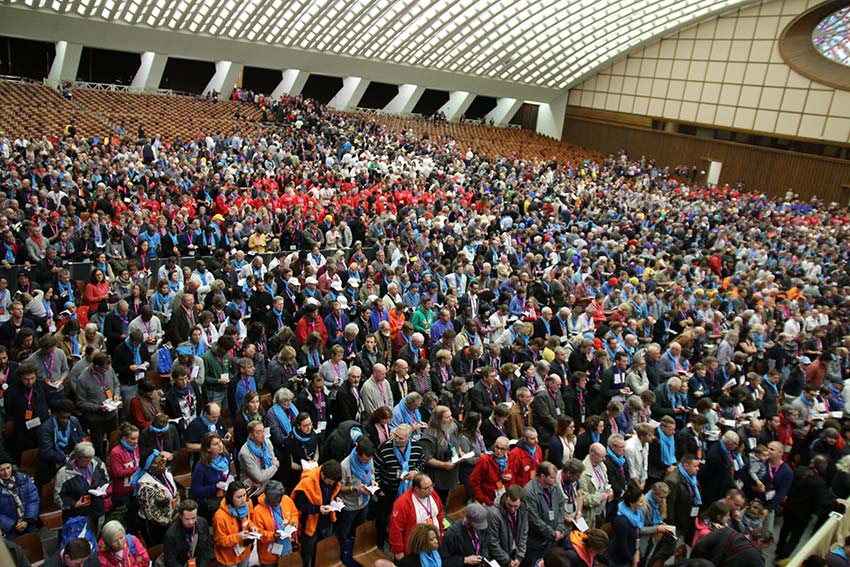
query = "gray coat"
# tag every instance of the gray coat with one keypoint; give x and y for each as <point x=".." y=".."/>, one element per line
<point x="543" y="520"/>
<point x="433" y="449"/>
<point x="90" y="395"/>
<point x="250" y="470"/>
<point x="503" y="546"/>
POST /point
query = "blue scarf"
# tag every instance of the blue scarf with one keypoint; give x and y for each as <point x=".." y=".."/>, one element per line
<point x="220" y="464"/>
<point x="595" y="437"/>
<point x="162" y="429"/>
<point x="75" y="345"/>
<point x="502" y="462"/>
<point x="693" y="482"/>
<point x="839" y="551"/>
<point x="675" y="399"/>
<point x="635" y="517"/>
<point x="620" y="461"/>
<point x="69" y="289"/>
<point x="130" y="448"/>
<point x="430" y="559"/>
<point x="212" y="427"/>
<point x="261" y="452"/>
<point x="137" y="353"/>
<point x="404" y="461"/>
<point x="283" y="418"/>
<point x="134" y="481"/>
<point x="654" y="509"/>
<point x="238" y="513"/>
<point x="734" y="454"/>
<point x="62" y="437"/>
<point x="362" y="472"/>
<point x="668" y="448"/>
<point x="308" y="439"/>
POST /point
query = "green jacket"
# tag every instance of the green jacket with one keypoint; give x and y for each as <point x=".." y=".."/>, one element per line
<point x="422" y="321"/>
<point x="214" y="368"/>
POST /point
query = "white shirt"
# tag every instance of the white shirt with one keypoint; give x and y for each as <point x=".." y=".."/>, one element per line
<point x="637" y="455"/>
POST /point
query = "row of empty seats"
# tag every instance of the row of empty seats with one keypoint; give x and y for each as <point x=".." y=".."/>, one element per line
<point x="34" y="110"/>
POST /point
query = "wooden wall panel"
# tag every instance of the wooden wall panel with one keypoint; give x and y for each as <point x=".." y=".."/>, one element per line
<point x="764" y="170"/>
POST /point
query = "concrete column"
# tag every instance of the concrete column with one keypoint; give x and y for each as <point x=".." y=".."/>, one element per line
<point x="149" y="75"/>
<point x="226" y="73"/>
<point x="291" y="83"/>
<point x="65" y="64"/>
<point x="350" y="94"/>
<point x="457" y="104"/>
<point x="406" y="99"/>
<point x="504" y="111"/>
<point x="550" y="117"/>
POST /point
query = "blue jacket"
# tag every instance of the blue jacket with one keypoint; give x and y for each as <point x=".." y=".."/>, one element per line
<point x="28" y="494"/>
<point x="47" y="451"/>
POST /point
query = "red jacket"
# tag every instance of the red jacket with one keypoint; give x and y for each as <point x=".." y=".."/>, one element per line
<point x="304" y="327"/>
<point x="404" y="518"/>
<point x="521" y="466"/>
<point x="486" y="477"/>
<point x="122" y="465"/>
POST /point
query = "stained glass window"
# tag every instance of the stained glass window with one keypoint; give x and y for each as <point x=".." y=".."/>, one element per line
<point x="832" y="36"/>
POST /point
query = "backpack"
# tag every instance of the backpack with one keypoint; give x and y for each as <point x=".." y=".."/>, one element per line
<point x="164" y="361"/>
<point x="75" y="527"/>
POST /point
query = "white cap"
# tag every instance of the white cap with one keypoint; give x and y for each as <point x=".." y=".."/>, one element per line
<point x="336" y="285"/>
<point x="311" y="280"/>
<point x="372" y="298"/>
<point x="294" y="281"/>
<point x="353" y="283"/>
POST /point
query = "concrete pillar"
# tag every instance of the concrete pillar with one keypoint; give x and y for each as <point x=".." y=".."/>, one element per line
<point x="291" y="84"/>
<point x="350" y="94"/>
<point x="550" y="117"/>
<point x="226" y="73"/>
<point x="65" y="64"/>
<point x="149" y="75"/>
<point x="457" y="105"/>
<point x="504" y="111"/>
<point x="405" y="101"/>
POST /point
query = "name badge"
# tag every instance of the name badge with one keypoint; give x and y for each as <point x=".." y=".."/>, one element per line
<point x="551" y="515"/>
<point x="557" y="411"/>
<point x="694" y="511"/>
<point x="225" y="376"/>
<point x="275" y="548"/>
<point x="769" y="495"/>
<point x="33" y="423"/>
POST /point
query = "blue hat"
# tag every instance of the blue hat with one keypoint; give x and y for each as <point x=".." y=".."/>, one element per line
<point x="185" y="350"/>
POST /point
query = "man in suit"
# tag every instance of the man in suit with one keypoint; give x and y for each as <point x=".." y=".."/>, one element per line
<point x="547" y="406"/>
<point x="618" y="471"/>
<point x="484" y="395"/>
<point x="685" y="499"/>
<point x="717" y="475"/>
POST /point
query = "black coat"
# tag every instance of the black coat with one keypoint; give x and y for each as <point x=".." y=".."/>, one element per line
<point x="680" y="504"/>
<point x="345" y="406"/>
<point x="16" y="410"/>
<point x="175" y="546"/>
<point x="715" y="476"/>
<point x="457" y="544"/>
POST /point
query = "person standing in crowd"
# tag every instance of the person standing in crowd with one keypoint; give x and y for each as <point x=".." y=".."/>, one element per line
<point x="545" y="503"/>
<point x="117" y="548"/>
<point x="187" y="538"/>
<point x="491" y="475"/>
<point x="274" y="514"/>
<point x="685" y="498"/>
<point x="467" y="541"/>
<point x="508" y="528"/>
<point x="316" y="490"/>
<point x="417" y="505"/>
<point x="422" y="548"/>
<point x="257" y="461"/>
<point x="356" y="488"/>
<point x="397" y="462"/>
<point x="57" y="438"/>
<point x="232" y="528"/>
<point x="596" y="491"/>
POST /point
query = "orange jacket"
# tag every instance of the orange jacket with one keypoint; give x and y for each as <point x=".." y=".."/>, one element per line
<point x="309" y="485"/>
<point x="264" y="520"/>
<point x="226" y="535"/>
<point x="396" y="321"/>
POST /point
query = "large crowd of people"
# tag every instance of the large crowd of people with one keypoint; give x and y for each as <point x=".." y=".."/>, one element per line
<point x="342" y="323"/>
